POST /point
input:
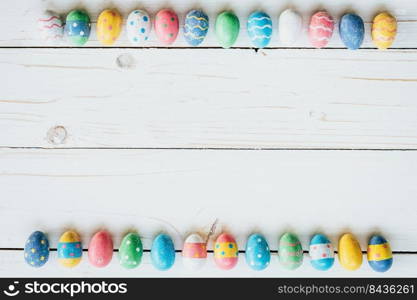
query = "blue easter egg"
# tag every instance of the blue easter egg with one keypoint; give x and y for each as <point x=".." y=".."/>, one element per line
<point x="259" y="29"/>
<point x="195" y="27"/>
<point x="37" y="249"/>
<point x="321" y="252"/>
<point x="257" y="252"/>
<point x="163" y="252"/>
<point x="379" y="254"/>
<point x="352" y="31"/>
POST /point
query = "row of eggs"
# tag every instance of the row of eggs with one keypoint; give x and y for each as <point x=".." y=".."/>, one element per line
<point x="259" y="28"/>
<point x="226" y="251"/>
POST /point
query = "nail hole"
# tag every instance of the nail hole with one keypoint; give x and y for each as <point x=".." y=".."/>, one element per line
<point x="126" y="62"/>
<point x="57" y="135"/>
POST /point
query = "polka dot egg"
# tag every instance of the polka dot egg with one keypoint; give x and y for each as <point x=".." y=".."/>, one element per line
<point x="37" y="249"/>
<point x="77" y="27"/>
<point x="166" y="26"/>
<point x="109" y="26"/>
<point x="100" y="249"/>
<point x="194" y="252"/>
<point x="257" y="252"/>
<point x="130" y="251"/>
<point x="379" y="254"/>
<point x="70" y="249"/>
<point x="225" y="252"/>
<point x="321" y="252"/>
<point x="138" y="26"/>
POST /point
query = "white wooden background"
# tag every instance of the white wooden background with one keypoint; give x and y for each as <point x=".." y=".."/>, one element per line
<point x="157" y="139"/>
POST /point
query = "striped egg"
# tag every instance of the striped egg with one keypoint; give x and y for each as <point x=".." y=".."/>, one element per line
<point x="100" y="249"/>
<point x="51" y="27"/>
<point x="69" y="249"/>
<point x="384" y="30"/>
<point x="166" y="26"/>
<point x="225" y="252"/>
<point x="138" y="26"/>
<point x="37" y="249"/>
<point x="194" y="252"/>
<point x="290" y="251"/>
<point x="109" y="26"/>
<point x="349" y="252"/>
<point x="257" y="252"/>
<point x="196" y="27"/>
<point x="290" y="25"/>
<point x="77" y="27"/>
<point x="321" y="252"/>
<point x="320" y="30"/>
<point x="379" y="254"/>
<point x="259" y="28"/>
<point x="163" y="252"/>
<point x="352" y="31"/>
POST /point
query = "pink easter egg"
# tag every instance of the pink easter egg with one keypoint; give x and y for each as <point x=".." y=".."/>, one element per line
<point x="321" y="29"/>
<point x="166" y="26"/>
<point x="226" y="252"/>
<point x="100" y="250"/>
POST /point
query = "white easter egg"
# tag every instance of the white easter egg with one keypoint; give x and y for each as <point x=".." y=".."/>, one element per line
<point x="290" y="25"/>
<point x="51" y="27"/>
<point x="138" y="27"/>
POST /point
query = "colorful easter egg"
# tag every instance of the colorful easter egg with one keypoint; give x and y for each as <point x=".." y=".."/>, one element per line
<point x="227" y="29"/>
<point x="259" y="29"/>
<point x="100" y="250"/>
<point x="109" y="26"/>
<point x="321" y="252"/>
<point x="69" y="249"/>
<point x="194" y="252"/>
<point x="196" y="27"/>
<point x="162" y="252"/>
<point x="77" y="27"/>
<point x="352" y="31"/>
<point x="257" y="252"/>
<point x="290" y="25"/>
<point x="166" y="26"/>
<point x="290" y="251"/>
<point x="37" y="249"/>
<point x="384" y="30"/>
<point x="138" y="26"/>
<point x="51" y="27"/>
<point x="349" y="252"/>
<point x="320" y="30"/>
<point x="130" y="251"/>
<point x="225" y="252"/>
<point x="379" y="254"/>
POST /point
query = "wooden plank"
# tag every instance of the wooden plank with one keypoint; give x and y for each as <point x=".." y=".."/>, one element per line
<point x="209" y="98"/>
<point x="18" y="28"/>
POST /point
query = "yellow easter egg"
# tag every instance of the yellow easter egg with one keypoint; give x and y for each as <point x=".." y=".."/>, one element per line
<point x="109" y="26"/>
<point x="69" y="249"/>
<point x="349" y="252"/>
<point x="384" y="30"/>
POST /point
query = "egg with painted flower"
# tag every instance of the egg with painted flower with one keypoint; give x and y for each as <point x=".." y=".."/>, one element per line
<point x="196" y="27"/>
<point x="36" y="249"/>
<point x="226" y="252"/>
<point x="69" y="249"/>
<point x="257" y="252"/>
<point x="77" y="27"/>
<point x="163" y="252"/>
<point x="259" y="29"/>
<point x="321" y="252"/>
<point x="290" y="251"/>
<point x="194" y="252"/>
<point x="138" y="26"/>
<point x="379" y="254"/>
<point x="109" y="26"/>
<point x="166" y="26"/>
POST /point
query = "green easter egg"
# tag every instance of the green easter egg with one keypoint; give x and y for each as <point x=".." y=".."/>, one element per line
<point x="290" y="251"/>
<point x="77" y="27"/>
<point x="227" y="29"/>
<point x="130" y="251"/>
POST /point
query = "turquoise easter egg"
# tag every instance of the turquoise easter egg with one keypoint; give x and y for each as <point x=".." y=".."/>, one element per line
<point x="321" y="252"/>
<point x="162" y="252"/>
<point x="69" y="249"/>
<point x="37" y="249"/>
<point x="77" y="27"/>
<point x="379" y="254"/>
<point x="257" y="252"/>
<point x="259" y="28"/>
<point x="352" y="31"/>
<point x="196" y="27"/>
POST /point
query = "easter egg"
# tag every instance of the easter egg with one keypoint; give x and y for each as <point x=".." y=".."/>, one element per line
<point x="100" y="250"/>
<point x="194" y="252"/>
<point x="379" y="254"/>
<point x="259" y="29"/>
<point x="109" y="26"/>
<point x="77" y="27"/>
<point x="290" y="25"/>
<point x="349" y="252"/>
<point x="51" y="27"/>
<point x="130" y="251"/>
<point x="37" y="249"/>
<point x="138" y="26"/>
<point x="225" y="252"/>
<point x="196" y="27"/>
<point x="290" y="251"/>
<point x="162" y="252"/>
<point x="321" y="252"/>
<point x="257" y="252"/>
<point x="227" y="29"/>
<point x="352" y="31"/>
<point x="166" y="26"/>
<point x="320" y="30"/>
<point x="69" y="249"/>
<point x="384" y="30"/>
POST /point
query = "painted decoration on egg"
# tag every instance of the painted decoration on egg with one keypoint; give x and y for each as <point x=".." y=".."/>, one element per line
<point x="194" y="252"/>
<point x="69" y="249"/>
<point x="290" y="251"/>
<point x="163" y="252"/>
<point x="166" y="26"/>
<point x="100" y="250"/>
<point x="379" y="254"/>
<point x="257" y="252"/>
<point x="226" y="252"/>
<point x="51" y="27"/>
<point x="109" y="26"/>
<point x="138" y="26"/>
<point x="321" y="252"/>
<point x="259" y="28"/>
<point x="320" y="30"/>
<point x="290" y="25"/>
<point x="196" y="27"/>
<point x="36" y="249"/>
<point x="352" y="31"/>
<point x="77" y="27"/>
<point x="384" y="30"/>
<point x="227" y="29"/>
<point x="349" y="252"/>
<point x="130" y="251"/>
